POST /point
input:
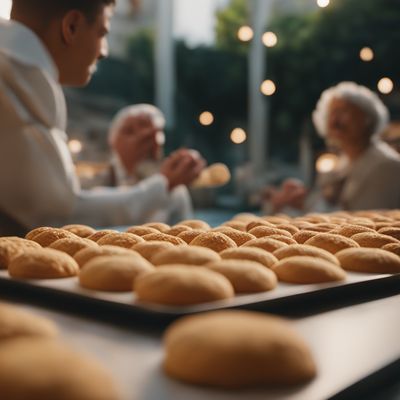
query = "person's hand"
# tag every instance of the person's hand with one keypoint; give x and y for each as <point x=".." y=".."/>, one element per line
<point x="291" y="193"/>
<point x="135" y="141"/>
<point x="182" y="167"/>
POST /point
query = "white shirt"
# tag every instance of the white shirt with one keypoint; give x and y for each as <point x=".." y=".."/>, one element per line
<point x="38" y="184"/>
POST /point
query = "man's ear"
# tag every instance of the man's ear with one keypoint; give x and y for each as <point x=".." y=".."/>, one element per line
<point x="71" y="24"/>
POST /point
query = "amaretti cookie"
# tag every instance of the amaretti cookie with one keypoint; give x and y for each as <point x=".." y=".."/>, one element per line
<point x="265" y="243"/>
<point x="331" y="242"/>
<point x="160" y="226"/>
<point x="179" y="286"/>
<point x="284" y="239"/>
<point x="196" y="224"/>
<point x="192" y="255"/>
<point x="150" y="249"/>
<point x="213" y="240"/>
<point x="306" y="269"/>
<point x="47" y="237"/>
<point x="375" y="240"/>
<point x="188" y="236"/>
<point x="126" y="240"/>
<point x="141" y="230"/>
<point x="237" y="236"/>
<point x="115" y="273"/>
<point x="250" y="253"/>
<point x="369" y="260"/>
<point x="38" y="368"/>
<point x="86" y="254"/>
<point x="392" y="247"/>
<point x="43" y="264"/>
<point x="302" y="236"/>
<point x="163" y="237"/>
<point x="246" y="276"/>
<point x="349" y="230"/>
<point x="13" y="247"/>
<point x="16" y="322"/>
<point x="72" y="245"/>
<point x="99" y="234"/>
<point x="288" y="227"/>
<point x="262" y="231"/>
<point x="34" y="232"/>
<point x="177" y="229"/>
<point x="390" y="231"/>
<point x="82" y="231"/>
<point x="235" y="349"/>
<point x="305" y="250"/>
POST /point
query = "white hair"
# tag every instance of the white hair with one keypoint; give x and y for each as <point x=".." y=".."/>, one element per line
<point x="156" y="116"/>
<point x="358" y="95"/>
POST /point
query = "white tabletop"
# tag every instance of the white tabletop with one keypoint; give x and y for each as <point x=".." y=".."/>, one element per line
<point x="348" y="345"/>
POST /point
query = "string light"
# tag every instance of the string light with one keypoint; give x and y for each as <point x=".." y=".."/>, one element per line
<point x="366" y="54"/>
<point x="385" y="85"/>
<point x="323" y="3"/>
<point x="326" y="163"/>
<point x="238" y="136"/>
<point x="268" y="87"/>
<point x="269" y="39"/>
<point x="75" y="146"/>
<point x="206" y="118"/>
<point x="245" y="33"/>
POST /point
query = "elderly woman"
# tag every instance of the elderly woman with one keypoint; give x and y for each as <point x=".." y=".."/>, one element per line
<point x="136" y="139"/>
<point x="350" y="117"/>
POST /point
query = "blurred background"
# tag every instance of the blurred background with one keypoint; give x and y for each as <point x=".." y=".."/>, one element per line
<point x="237" y="80"/>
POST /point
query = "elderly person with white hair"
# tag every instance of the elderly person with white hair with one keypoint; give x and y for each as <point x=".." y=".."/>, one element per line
<point x="136" y="139"/>
<point x="350" y="118"/>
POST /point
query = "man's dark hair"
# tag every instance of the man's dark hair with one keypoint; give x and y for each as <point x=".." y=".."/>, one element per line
<point x="52" y="8"/>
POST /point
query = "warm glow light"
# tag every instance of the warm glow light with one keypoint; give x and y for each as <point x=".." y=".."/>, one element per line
<point x="323" y="3"/>
<point x="366" y="54"/>
<point x="269" y="39"/>
<point x="326" y="163"/>
<point x="238" y="136"/>
<point x="5" y="8"/>
<point x="385" y="85"/>
<point x="75" y="146"/>
<point x="206" y="118"/>
<point x="245" y="33"/>
<point x="268" y="87"/>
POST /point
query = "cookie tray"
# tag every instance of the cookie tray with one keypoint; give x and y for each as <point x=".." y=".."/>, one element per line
<point x="286" y="299"/>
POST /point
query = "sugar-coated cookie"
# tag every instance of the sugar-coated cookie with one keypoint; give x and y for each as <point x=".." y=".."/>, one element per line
<point x="265" y="243"/>
<point x="331" y="242"/>
<point x="126" y="240"/>
<point x="13" y="247"/>
<point x="216" y="241"/>
<point x="237" y="236"/>
<point x="150" y="249"/>
<point x="82" y="231"/>
<point x="192" y="255"/>
<point x="373" y="239"/>
<point x="250" y="253"/>
<point x="86" y="254"/>
<point x="305" y="250"/>
<point x="72" y="245"/>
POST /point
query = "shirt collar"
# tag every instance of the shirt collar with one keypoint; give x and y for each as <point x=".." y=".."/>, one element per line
<point x="22" y="44"/>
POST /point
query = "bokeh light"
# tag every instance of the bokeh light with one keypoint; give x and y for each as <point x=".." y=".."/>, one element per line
<point x="323" y="3"/>
<point x="75" y="146"/>
<point x="269" y="39"/>
<point x="385" y="85"/>
<point x="245" y="33"/>
<point x="366" y="54"/>
<point x="206" y="118"/>
<point x="238" y="136"/>
<point x="326" y="162"/>
<point x="268" y="87"/>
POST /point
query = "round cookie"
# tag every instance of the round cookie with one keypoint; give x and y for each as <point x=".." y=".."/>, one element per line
<point x="245" y="276"/>
<point x="256" y="223"/>
<point x="375" y="240"/>
<point x="115" y="273"/>
<point x="275" y="219"/>
<point x="125" y="240"/>
<point x="314" y="218"/>
<point x="392" y="247"/>
<point x="369" y="260"/>
<point x="238" y="225"/>
<point x="72" y="245"/>
<point x="13" y="247"/>
<point x="331" y="242"/>
<point x="192" y="255"/>
<point x="86" y="254"/>
<point x="99" y="234"/>
<point x="284" y="239"/>
<point x="250" y="253"/>
<point x="322" y="227"/>
<point x="263" y="231"/>
<point x="82" y="231"/>
<point x="44" y="369"/>
<point x="180" y="286"/>
<point x="163" y="237"/>
<point x="302" y="236"/>
<point x="265" y="243"/>
<point x="177" y="229"/>
<point x="43" y="264"/>
<point x="34" y="232"/>
<point x="16" y="322"/>
<point x="236" y="349"/>
<point x="288" y="227"/>
<point x="213" y="240"/>
<point x="160" y="226"/>
<point x="245" y="217"/>
<point x="151" y="248"/>
<point x="237" y="236"/>
<point x="305" y="250"/>
<point x="196" y="224"/>
<point x="306" y="269"/>
<point x="349" y="230"/>
<point x="47" y="237"/>
<point x="390" y="231"/>
<point x="141" y="230"/>
<point x="188" y="236"/>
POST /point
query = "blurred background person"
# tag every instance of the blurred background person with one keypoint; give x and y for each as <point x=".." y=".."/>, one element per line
<point x="136" y="139"/>
<point x="350" y="118"/>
